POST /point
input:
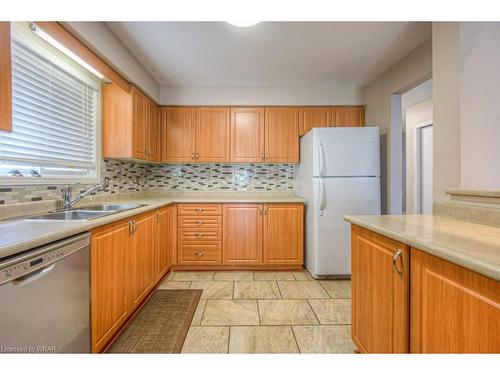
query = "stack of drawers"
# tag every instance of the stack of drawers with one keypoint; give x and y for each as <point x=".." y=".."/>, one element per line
<point x="199" y="234"/>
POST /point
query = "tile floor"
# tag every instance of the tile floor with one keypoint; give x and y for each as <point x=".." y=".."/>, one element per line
<point x="266" y="312"/>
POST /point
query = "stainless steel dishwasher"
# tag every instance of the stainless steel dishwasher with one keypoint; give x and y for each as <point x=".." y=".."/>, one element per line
<point x="45" y="299"/>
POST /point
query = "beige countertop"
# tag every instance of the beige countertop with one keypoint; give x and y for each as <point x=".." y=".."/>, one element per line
<point x="18" y="234"/>
<point x="473" y="246"/>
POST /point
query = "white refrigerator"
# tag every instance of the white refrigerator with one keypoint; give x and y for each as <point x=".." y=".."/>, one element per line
<point x="338" y="174"/>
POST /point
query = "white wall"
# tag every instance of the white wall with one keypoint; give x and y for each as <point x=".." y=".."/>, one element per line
<point x="268" y="95"/>
<point x="103" y="42"/>
<point x="480" y="104"/>
<point x="416" y="116"/>
<point x="408" y="73"/>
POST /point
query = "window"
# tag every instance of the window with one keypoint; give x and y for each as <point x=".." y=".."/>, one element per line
<point x="55" y="116"/>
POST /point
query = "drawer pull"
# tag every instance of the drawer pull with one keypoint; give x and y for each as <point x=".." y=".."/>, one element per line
<point x="199" y="235"/>
<point x="395" y="257"/>
<point x="200" y="209"/>
<point x="199" y="254"/>
<point x="199" y="222"/>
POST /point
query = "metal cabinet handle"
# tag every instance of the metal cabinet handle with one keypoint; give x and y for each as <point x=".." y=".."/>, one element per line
<point x="395" y="257"/>
<point x="157" y="216"/>
<point x="199" y="222"/>
<point x="199" y="254"/>
<point x="192" y="156"/>
<point x="263" y="156"/>
<point x="196" y="155"/>
<point x="199" y="235"/>
<point x="200" y="209"/>
<point x="130" y="227"/>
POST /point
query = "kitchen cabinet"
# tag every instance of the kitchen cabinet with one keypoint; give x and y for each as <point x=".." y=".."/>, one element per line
<point x="453" y="309"/>
<point x="143" y="249"/>
<point x="247" y="135"/>
<point x="313" y="117"/>
<point x="110" y="264"/>
<point x="6" y="81"/>
<point x="281" y="135"/>
<point x="130" y="124"/>
<point x="212" y="134"/>
<point x="348" y="116"/>
<point x="283" y="234"/>
<point x="164" y="238"/>
<point x="242" y="233"/>
<point x="380" y="293"/>
<point x="178" y="134"/>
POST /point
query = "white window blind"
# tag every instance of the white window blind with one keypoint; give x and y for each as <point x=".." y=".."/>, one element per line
<point x="54" y="115"/>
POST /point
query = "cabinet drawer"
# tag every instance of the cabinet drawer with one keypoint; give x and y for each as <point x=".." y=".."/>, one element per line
<point x="203" y="253"/>
<point x="193" y="234"/>
<point x="199" y="209"/>
<point x="199" y="222"/>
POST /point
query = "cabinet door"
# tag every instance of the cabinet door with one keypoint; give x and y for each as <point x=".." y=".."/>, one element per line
<point x="283" y="234"/>
<point x="212" y="135"/>
<point x="380" y="293"/>
<point x="139" y="115"/>
<point x="110" y="259"/>
<point x="242" y="234"/>
<point x="453" y="309"/>
<point x="178" y="134"/>
<point x="314" y="117"/>
<point x="143" y="251"/>
<point x="282" y="135"/>
<point x="349" y="116"/>
<point x="247" y="135"/>
<point x="153" y="132"/>
<point x="164" y="228"/>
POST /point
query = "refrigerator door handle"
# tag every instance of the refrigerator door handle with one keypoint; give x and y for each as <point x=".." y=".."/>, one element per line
<point x="322" y="197"/>
<point x="321" y="159"/>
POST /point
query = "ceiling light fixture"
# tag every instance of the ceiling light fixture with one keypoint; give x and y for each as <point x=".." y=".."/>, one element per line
<point x="243" y="23"/>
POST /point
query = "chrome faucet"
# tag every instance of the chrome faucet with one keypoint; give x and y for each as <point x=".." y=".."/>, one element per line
<point x="69" y="201"/>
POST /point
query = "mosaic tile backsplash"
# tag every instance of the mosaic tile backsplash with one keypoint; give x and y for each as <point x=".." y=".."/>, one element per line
<point x="127" y="176"/>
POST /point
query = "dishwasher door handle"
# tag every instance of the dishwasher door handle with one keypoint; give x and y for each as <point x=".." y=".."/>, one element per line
<point x="33" y="276"/>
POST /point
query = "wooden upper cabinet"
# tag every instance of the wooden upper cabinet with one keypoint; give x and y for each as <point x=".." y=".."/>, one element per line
<point x="178" y="134"/>
<point x="453" y="309"/>
<point x="283" y="235"/>
<point x="247" y="135"/>
<point x="380" y="293"/>
<point x="130" y="124"/>
<point x="348" y="116"/>
<point x="281" y="135"/>
<point x="110" y="251"/>
<point x="6" y="78"/>
<point x="313" y="117"/>
<point x="242" y="234"/>
<point x="212" y="134"/>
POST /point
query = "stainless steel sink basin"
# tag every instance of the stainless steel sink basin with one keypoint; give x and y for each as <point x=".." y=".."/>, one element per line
<point x="86" y="213"/>
<point x="72" y="215"/>
<point x="110" y="207"/>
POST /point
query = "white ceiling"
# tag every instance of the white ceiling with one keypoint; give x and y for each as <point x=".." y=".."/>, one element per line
<point x="270" y="53"/>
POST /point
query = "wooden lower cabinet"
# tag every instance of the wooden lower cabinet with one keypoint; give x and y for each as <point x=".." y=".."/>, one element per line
<point x="453" y="309"/>
<point x="380" y="293"/>
<point x="242" y="233"/>
<point x="110" y="264"/>
<point x="416" y="302"/>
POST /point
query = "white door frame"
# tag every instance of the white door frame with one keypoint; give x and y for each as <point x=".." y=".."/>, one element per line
<point x="417" y="178"/>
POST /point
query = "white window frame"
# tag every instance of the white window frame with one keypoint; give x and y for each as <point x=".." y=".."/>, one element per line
<point x="40" y="46"/>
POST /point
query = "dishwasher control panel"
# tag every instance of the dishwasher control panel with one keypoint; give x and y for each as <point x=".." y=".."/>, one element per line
<point x="26" y="266"/>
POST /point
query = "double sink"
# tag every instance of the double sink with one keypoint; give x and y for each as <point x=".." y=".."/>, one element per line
<point x="86" y="213"/>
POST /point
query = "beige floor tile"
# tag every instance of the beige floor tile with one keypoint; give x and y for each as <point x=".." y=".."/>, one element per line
<point x="230" y="312"/>
<point x="332" y="311"/>
<point x="261" y="339"/>
<point x="233" y="276"/>
<point x="302" y="275"/>
<point x="198" y="314"/>
<point x="170" y="276"/>
<point x="206" y="340"/>
<point x="175" y="285"/>
<point x="256" y="290"/>
<point x="214" y="289"/>
<point x="269" y="276"/>
<point x="324" y="339"/>
<point x="193" y="276"/>
<point x="286" y="312"/>
<point x="337" y="288"/>
<point x="301" y="289"/>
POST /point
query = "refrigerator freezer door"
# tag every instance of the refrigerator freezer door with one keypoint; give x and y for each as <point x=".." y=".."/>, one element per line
<point x="334" y="198"/>
<point x="340" y="152"/>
